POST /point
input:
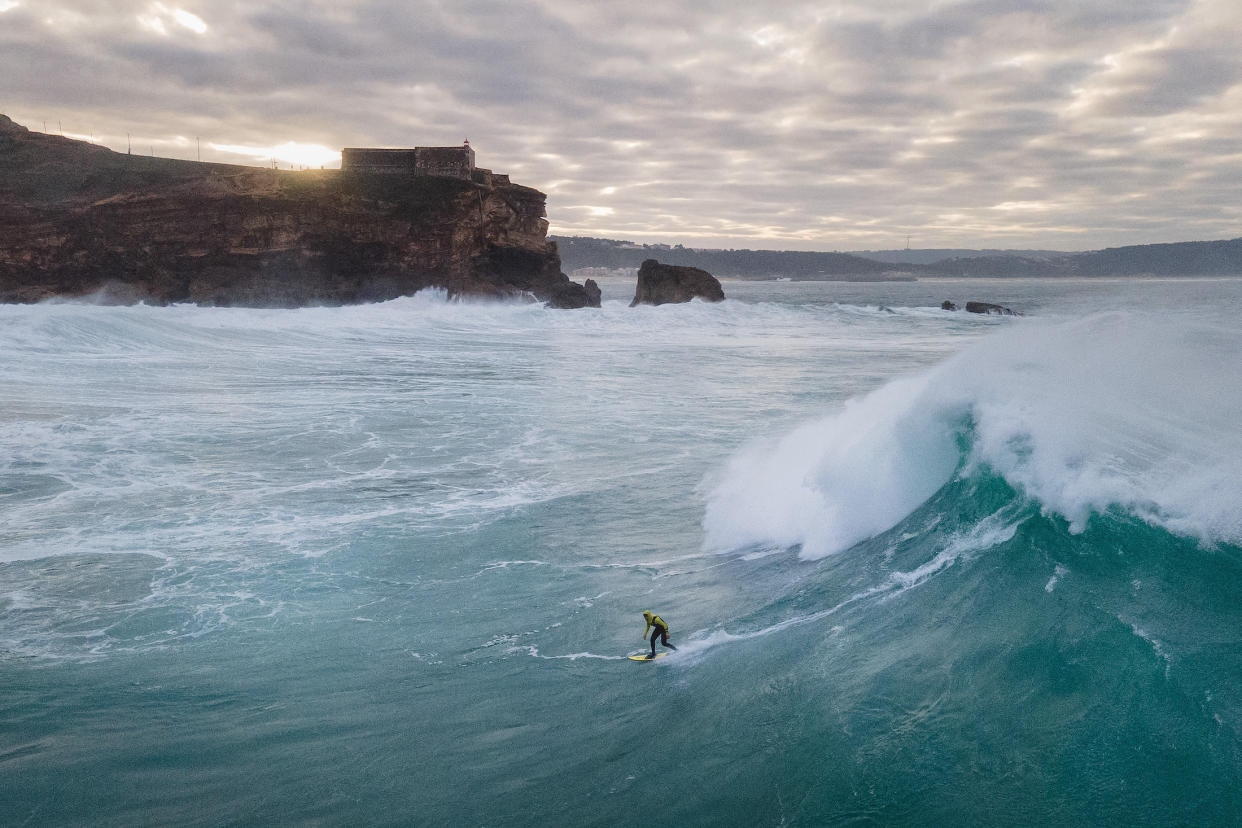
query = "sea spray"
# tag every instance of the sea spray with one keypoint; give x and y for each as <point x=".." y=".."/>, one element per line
<point x="834" y="482"/>
<point x="1128" y="411"/>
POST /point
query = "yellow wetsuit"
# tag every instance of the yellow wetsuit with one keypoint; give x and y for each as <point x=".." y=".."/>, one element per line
<point x="653" y="621"/>
<point x="660" y="631"/>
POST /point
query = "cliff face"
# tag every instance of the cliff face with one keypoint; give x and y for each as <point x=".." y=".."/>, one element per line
<point x="78" y="219"/>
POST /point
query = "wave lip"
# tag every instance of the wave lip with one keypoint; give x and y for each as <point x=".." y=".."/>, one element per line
<point x="832" y="483"/>
<point x="1123" y="412"/>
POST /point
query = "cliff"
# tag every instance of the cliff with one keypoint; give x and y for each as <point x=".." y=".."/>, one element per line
<point x="78" y="219"/>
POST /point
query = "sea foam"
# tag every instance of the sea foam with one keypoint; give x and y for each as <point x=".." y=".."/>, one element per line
<point x="1122" y="411"/>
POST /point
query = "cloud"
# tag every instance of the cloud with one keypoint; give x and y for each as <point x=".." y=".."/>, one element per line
<point x="817" y="125"/>
<point x="161" y="19"/>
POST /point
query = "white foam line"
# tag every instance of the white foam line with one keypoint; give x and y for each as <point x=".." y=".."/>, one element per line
<point x="507" y="564"/>
<point x="987" y="533"/>
<point x="698" y="646"/>
<point x="582" y="600"/>
<point x="704" y="553"/>
<point x="1156" y="645"/>
<point x="1057" y="575"/>
<point x="984" y="535"/>
<point x="533" y="651"/>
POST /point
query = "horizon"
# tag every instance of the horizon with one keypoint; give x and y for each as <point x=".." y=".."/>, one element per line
<point x="674" y="242"/>
<point x="795" y="128"/>
<point x="1007" y="250"/>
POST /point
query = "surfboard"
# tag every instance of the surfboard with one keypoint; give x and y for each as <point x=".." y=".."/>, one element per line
<point x="644" y="658"/>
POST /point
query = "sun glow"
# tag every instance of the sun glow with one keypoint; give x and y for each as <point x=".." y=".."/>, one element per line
<point x="1009" y="206"/>
<point x="290" y="152"/>
<point x="8" y="5"/>
<point x="190" y="21"/>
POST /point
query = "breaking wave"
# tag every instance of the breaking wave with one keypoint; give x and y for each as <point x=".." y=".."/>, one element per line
<point x="1125" y="413"/>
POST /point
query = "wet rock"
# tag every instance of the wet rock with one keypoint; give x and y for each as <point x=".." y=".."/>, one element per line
<point x="592" y="291"/>
<point x="661" y="284"/>
<point x="989" y="308"/>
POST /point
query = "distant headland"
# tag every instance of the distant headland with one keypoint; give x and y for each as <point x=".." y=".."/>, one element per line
<point x="1201" y="258"/>
<point x="78" y="219"/>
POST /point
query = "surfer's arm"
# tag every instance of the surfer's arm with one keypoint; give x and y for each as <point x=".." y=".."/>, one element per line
<point x="645" y="629"/>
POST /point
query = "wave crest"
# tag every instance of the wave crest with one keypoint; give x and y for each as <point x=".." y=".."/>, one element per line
<point x="1123" y="411"/>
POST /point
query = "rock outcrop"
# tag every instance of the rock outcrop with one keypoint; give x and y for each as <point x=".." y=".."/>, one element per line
<point x="78" y="219"/>
<point x="988" y="307"/>
<point x="593" y="293"/>
<point x="660" y="284"/>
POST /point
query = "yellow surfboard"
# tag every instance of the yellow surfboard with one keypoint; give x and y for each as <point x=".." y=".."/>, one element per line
<point x="645" y="658"/>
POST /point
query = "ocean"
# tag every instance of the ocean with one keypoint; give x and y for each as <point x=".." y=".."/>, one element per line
<point x="383" y="565"/>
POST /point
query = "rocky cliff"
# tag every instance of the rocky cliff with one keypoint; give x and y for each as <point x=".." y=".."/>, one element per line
<point x="79" y="219"/>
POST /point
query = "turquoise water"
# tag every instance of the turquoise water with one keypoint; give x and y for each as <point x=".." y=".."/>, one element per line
<point x="383" y="564"/>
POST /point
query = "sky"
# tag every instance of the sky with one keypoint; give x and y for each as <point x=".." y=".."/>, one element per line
<point x="829" y="125"/>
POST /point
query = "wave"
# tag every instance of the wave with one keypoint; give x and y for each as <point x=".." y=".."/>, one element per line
<point x="82" y="327"/>
<point x="1125" y="412"/>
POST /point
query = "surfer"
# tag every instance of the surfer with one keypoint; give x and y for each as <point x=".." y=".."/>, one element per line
<point x="660" y="631"/>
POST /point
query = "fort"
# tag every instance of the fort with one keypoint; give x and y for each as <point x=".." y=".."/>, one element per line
<point x="452" y="162"/>
<point x="77" y="219"/>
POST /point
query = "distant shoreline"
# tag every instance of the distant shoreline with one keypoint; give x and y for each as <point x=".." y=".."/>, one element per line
<point x="1175" y="260"/>
<point x="625" y="273"/>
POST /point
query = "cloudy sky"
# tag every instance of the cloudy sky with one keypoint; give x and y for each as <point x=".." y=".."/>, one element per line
<point x="830" y="125"/>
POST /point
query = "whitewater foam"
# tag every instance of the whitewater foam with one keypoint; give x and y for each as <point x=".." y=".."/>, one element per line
<point x="533" y="652"/>
<point x="1124" y="411"/>
<point x="832" y="483"/>
<point x="1057" y="574"/>
<point x="992" y="531"/>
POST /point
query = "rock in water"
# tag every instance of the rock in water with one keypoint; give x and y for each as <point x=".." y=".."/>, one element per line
<point x="947" y="305"/>
<point x="988" y="307"/>
<point x="661" y="284"/>
<point x="593" y="293"/>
